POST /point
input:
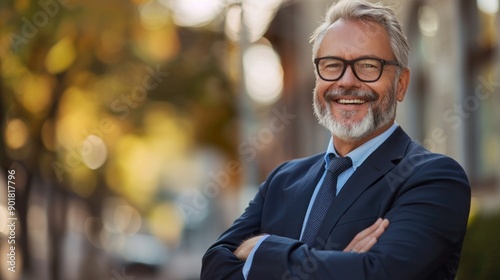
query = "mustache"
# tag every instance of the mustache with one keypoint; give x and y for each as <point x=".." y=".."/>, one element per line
<point x="368" y="95"/>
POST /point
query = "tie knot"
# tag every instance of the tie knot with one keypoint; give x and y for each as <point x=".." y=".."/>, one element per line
<point x="339" y="164"/>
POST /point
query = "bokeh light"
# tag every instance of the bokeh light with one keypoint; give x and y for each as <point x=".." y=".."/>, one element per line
<point x="61" y="56"/>
<point x="263" y="73"/>
<point x="157" y="45"/>
<point x="77" y="116"/>
<point x="488" y="6"/>
<point x="111" y="44"/>
<point x="194" y="13"/>
<point x="257" y="16"/>
<point x="121" y="217"/>
<point x="138" y="167"/>
<point x="428" y="21"/>
<point x="166" y="223"/>
<point x="82" y="181"/>
<point x="16" y="134"/>
<point x="94" y="152"/>
<point x="35" y="92"/>
<point x="233" y="23"/>
<point x="153" y="15"/>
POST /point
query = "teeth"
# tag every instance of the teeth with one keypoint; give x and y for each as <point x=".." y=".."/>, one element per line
<point x="351" y="101"/>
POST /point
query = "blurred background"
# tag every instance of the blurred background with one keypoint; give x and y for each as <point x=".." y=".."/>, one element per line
<point x="138" y="130"/>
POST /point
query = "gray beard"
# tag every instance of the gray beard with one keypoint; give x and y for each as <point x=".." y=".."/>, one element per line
<point x="376" y="118"/>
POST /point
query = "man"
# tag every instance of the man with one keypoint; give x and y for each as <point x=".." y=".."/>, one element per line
<point x="300" y="225"/>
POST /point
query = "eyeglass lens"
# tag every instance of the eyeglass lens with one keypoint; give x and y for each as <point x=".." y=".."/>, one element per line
<point x="365" y="69"/>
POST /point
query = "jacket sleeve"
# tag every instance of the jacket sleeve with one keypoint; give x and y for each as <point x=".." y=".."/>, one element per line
<point x="219" y="262"/>
<point x="428" y="216"/>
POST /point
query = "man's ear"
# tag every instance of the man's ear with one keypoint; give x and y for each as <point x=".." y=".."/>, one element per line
<point x="403" y="82"/>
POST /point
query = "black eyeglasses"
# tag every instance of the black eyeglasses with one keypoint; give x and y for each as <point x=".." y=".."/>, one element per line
<point x="366" y="69"/>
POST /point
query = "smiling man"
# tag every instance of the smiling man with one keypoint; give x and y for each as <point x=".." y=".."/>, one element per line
<point x="327" y="216"/>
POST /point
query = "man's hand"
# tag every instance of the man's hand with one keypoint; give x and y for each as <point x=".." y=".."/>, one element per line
<point x="361" y="243"/>
<point x="365" y="240"/>
<point x="246" y="247"/>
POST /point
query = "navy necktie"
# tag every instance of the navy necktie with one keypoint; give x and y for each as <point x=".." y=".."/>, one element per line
<point x="325" y="197"/>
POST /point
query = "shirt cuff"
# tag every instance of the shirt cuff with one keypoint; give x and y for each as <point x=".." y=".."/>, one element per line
<point x="248" y="262"/>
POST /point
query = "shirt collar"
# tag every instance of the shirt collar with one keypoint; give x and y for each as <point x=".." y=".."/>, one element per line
<point x="362" y="152"/>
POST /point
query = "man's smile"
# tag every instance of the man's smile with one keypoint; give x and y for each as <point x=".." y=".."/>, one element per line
<point x="350" y="97"/>
<point x="351" y="101"/>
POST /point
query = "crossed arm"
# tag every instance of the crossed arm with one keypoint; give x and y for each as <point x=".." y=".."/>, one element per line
<point x="361" y="243"/>
<point x="428" y="215"/>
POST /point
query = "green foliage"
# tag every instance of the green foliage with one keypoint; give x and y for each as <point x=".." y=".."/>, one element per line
<point x="481" y="252"/>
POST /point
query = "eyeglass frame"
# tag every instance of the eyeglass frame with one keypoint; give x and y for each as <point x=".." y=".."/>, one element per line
<point x="351" y="62"/>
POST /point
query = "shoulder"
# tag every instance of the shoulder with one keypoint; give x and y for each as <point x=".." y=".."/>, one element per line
<point x="296" y="169"/>
<point x="300" y="163"/>
<point x="420" y="161"/>
<point x="422" y="156"/>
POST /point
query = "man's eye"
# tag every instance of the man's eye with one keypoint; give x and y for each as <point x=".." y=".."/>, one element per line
<point x="333" y="65"/>
<point x="368" y="65"/>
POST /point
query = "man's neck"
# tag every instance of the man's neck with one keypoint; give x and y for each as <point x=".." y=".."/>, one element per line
<point x="344" y="147"/>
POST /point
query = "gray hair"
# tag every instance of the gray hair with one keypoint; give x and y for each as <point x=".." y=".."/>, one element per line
<point x="362" y="10"/>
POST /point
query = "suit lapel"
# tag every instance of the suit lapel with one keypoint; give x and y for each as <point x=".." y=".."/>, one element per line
<point x="298" y="197"/>
<point x="379" y="163"/>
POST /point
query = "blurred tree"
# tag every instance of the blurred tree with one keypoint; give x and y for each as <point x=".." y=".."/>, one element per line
<point x="114" y="69"/>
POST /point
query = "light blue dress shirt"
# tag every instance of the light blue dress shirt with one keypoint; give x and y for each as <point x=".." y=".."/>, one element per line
<point x="358" y="156"/>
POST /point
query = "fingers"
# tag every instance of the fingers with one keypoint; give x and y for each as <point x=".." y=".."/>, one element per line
<point x="363" y="234"/>
<point x="243" y="251"/>
<point x="367" y="238"/>
<point x="246" y="247"/>
<point x="367" y="246"/>
<point x="368" y="231"/>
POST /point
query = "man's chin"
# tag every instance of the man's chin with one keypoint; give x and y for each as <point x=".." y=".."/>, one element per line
<point x="350" y="118"/>
<point x="351" y="131"/>
<point x="349" y="124"/>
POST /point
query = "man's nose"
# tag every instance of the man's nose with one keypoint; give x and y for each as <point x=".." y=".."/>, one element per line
<point x="348" y="80"/>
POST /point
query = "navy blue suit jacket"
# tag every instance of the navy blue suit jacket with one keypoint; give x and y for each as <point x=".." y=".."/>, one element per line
<point x="425" y="196"/>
